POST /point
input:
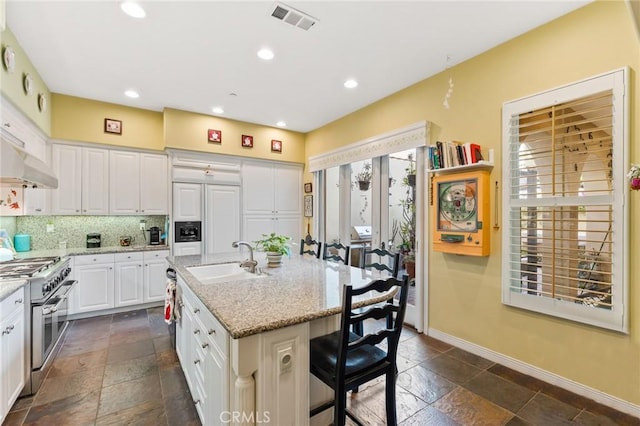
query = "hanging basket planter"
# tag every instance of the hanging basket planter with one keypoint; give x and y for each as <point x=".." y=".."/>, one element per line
<point x="363" y="185"/>
<point x="411" y="180"/>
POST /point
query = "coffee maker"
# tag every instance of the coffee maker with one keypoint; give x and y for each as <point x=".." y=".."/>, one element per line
<point x="154" y="236"/>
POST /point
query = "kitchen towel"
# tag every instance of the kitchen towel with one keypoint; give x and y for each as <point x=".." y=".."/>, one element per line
<point x="22" y="242"/>
<point x="170" y="312"/>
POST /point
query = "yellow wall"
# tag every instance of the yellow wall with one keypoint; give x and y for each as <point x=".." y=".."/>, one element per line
<point x="79" y="119"/>
<point x="188" y="130"/>
<point x="12" y="88"/>
<point x="465" y="293"/>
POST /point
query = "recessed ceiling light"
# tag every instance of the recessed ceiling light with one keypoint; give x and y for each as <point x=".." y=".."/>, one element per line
<point x="265" y="54"/>
<point x="350" y="84"/>
<point x="133" y="9"/>
<point x="281" y="124"/>
<point x="132" y="94"/>
<point x="218" y="110"/>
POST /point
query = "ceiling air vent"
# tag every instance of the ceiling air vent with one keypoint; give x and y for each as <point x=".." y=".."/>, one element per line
<point x="292" y="16"/>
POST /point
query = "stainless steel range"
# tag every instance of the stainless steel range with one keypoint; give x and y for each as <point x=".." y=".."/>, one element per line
<point x="46" y="311"/>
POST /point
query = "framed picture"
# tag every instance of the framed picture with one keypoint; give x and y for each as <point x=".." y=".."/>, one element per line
<point x="214" y="136"/>
<point x="247" y="141"/>
<point x="308" y="188"/>
<point x="112" y="126"/>
<point x="276" y="146"/>
<point x="308" y="205"/>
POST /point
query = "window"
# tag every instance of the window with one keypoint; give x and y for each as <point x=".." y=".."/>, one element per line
<point x="564" y="161"/>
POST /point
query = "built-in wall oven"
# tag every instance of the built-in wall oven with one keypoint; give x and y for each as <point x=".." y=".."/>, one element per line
<point x="47" y="306"/>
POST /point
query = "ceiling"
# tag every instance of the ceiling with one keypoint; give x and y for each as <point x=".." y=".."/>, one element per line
<point x="194" y="56"/>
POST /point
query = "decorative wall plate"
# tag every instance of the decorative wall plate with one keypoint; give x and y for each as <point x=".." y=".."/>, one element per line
<point x="27" y="83"/>
<point x="42" y="102"/>
<point x="9" y="59"/>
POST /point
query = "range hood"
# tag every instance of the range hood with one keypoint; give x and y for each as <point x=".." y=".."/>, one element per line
<point x="19" y="167"/>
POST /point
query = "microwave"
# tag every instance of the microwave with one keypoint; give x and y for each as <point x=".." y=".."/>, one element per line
<point x="187" y="232"/>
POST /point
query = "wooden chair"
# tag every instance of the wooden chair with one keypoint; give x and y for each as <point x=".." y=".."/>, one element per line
<point x="343" y="360"/>
<point x="328" y="255"/>
<point x="311" y="247"/>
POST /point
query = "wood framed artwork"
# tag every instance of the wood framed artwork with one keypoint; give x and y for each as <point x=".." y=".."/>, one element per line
<point x="308" y="188"/>
<point x="214" y="136"/>
<point x="112" y="126"/>
<point x="308" y="205"/>
<point x="461" y="215"/>
<point x="276" y="146"/>
<point x="247" y="141"/>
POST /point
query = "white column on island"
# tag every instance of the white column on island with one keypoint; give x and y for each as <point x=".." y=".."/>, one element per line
<point x="244" y="363"/>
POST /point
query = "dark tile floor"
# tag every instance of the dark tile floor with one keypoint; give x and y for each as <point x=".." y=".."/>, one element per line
<point x="120" y="369"/>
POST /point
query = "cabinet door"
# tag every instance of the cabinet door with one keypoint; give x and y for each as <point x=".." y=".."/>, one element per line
<point x="94" y="289"/>
<point x="95" y="181"/>
<point x="254" y="226"/>
<point x="258" y="189"/>
<point x="187" y="204"/>
<point x="290" y="226"/>
<point x="222" y="225"/>
<point x="12" y="362"/>
<point x="128" y="283"/>
<point x="155" y="273"/>
<point x="36" y="201"/>
<point x="288" y="190"/>
<point x="186" y="249"/>
<point x="217" y="387"/>
<point x="124" y="182"/>
<point x="67" y="166"/>
<point x="153" y="184"/>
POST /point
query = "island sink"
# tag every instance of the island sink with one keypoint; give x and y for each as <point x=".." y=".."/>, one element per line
<point x="218" y="273"/>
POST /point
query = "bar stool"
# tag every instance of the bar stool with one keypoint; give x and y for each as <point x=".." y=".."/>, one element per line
<point x="311" y="247"/>
<point x="327" y="255"/>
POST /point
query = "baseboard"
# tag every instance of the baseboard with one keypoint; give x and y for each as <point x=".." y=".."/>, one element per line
<point x="84" y="315"/>
<point x="538" y="373"/>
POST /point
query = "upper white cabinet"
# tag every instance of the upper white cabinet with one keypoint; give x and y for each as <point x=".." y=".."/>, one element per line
<point x="83" y="184"/>
<point x="187" y="202"/>
<point x="138" y="183"/>
<point x="271" y="188"/>
<point x="272" y="200"/>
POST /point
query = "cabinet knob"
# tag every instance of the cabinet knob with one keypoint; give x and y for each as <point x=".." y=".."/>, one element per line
<point x="196" y="331"/>
<point x="77" y="211"/>
<point x="7" y="124"/>
<point x="196" y="401"/>
<point x="197" y="361"/>
<point x="212" y="331"/>
<point x="18" y="301"/>
<point x="205" y="345"/>
<point x="196" y="310"/>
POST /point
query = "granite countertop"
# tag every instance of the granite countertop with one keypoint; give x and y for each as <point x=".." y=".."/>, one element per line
<point x="7" y="287"/>
<point x="79" y="251"/>
<point x="302" y="289"/>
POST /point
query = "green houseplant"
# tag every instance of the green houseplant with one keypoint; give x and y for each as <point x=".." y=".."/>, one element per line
<point x="364" y="177"/>
<point x="275" y="246"/>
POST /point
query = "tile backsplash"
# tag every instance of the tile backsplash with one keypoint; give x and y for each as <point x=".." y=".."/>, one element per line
<point x="74" y="229"/>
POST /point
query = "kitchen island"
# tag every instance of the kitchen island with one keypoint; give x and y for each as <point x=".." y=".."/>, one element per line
<point x="260" y="329"/>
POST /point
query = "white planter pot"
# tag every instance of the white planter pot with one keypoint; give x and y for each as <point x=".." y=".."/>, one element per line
<point x="274" y="260"/>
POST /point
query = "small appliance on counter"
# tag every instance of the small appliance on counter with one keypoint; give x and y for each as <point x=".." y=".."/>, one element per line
<point x="22" y="242"/>
<point x="154" y="236"/>
<point x="93" y="240"/>
<point x="126" y="240"/>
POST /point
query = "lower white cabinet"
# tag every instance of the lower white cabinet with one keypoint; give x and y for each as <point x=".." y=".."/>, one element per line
<point x="94" y="290"/>
<point x="155" y="272"/>
<point x="128" y="279"/>
<point x="202" y="345"/>
<point x="187" y="249"/>
<point x="12" y="350"/>
<point x="107" y="281"/>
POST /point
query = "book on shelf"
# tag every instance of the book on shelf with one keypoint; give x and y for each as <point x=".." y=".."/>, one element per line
<point x="443" y="155"/>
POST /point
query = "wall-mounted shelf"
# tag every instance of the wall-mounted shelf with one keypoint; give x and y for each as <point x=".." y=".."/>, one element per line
<point x="482" y="164"/>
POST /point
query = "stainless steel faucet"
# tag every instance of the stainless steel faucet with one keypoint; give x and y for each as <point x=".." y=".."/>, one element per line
<point x="249" y="264"/>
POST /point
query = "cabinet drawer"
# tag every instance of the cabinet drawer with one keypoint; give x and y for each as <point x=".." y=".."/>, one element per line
<point x="211" y="327"/>
<point x="12" y="303"/>
<point x="151" y="255"/>
<point x="130" y="256"/>
<point x="91" y="259"/>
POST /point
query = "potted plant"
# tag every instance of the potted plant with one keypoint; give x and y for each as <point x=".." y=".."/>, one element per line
<point x="410" y="172"/>
<point x="275" y="246"/>
<point x="634" y="177"/>
<point x="407" y="229"/>
<point x="364" y="177"/>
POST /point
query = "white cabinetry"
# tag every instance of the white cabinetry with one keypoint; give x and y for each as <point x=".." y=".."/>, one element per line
<point x="187" y="202"/>
<point x="95" y="288"/>
<point x="83" y="180"/>
<point x="138" y="183"/>
<point x="155" y="272"/>
<point x="202" y="345"/>
<point x="12" y="350"/>
<point x="222" y="211"/>
<point x="128" y="279"/>
<point x="272" y="200"/>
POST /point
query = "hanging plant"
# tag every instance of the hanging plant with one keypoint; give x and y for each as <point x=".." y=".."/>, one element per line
<point x="634" y="177"/>
<point x="364" y="177"/>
